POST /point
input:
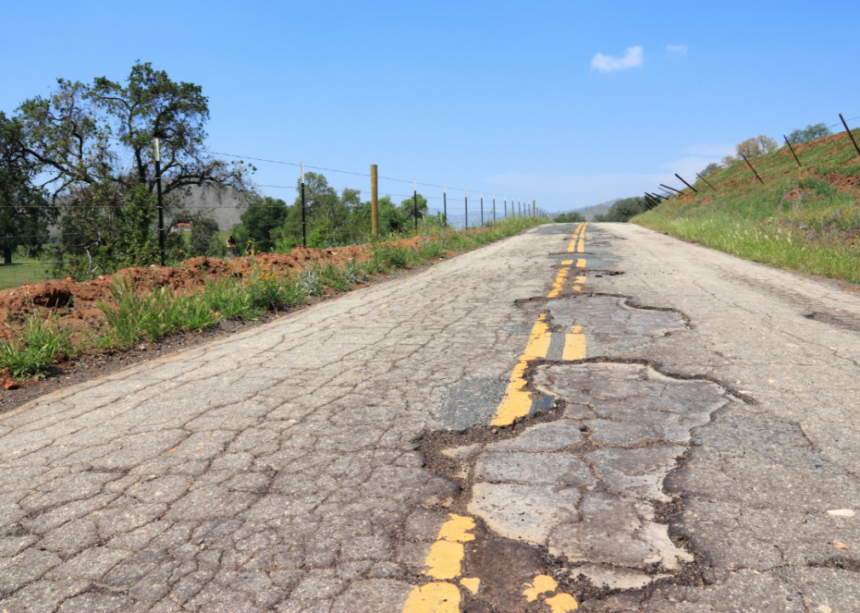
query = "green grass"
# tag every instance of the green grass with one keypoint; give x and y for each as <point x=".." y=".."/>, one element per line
<point x="21" y="271"/>
<point x="802" y="218"/>
<point x="36" y="345"/>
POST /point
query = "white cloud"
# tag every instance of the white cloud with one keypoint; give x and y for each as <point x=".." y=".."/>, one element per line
<point x="710" y="150"/>
<point x="606" y="63"/>
<point x="679" y="49"/>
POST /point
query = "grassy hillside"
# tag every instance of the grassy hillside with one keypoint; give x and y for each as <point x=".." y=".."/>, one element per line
<point x="803" y="218"/>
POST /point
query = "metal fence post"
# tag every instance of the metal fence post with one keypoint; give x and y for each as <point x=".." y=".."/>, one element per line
<point x="304" y="206"/>
<point x="444" y="205"/>
<point x="494" y="208"/>
<point x="374" y="199"/>
<point x="160" y="204"/>
<point x="482" y="208"/>
<point x="415" y="202"/>
<point x="467" y="209"/>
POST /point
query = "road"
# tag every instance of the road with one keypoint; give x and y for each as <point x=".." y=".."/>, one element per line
<point x="591" y="418"/>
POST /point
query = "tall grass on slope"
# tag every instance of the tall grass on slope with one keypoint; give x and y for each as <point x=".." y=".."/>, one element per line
<point x="805" y="219"/>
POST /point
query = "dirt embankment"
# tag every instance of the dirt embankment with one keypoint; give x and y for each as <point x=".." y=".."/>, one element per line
<point x="75" y="303"/>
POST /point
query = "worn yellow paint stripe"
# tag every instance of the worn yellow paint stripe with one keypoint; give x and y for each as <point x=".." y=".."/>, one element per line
<point x="540" y="585"/>
<point x="581" y="247"/>
<point x="472" y="584"/>
<point x="562" y="603"/>
<point x="580" y="263"/>
<point x="574" y="345"/>
<point x="577" y="283"/>
<point x="456" y="529"/>
<point x="437" y="597"/>
<point x="572" y="247"/>
<point x="444" y="562"/>
<point x="517" y="402"/>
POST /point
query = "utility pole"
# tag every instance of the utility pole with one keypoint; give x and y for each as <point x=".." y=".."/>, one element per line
<point x="374" y="199"/>
<point x="160" y="205"/>
<point x="304" y="205"/>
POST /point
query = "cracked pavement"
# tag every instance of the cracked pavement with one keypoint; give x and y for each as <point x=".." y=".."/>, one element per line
<point x="686" y="439"/>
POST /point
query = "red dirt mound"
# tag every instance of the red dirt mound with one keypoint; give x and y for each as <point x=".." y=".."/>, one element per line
<point x="76" y="303"/>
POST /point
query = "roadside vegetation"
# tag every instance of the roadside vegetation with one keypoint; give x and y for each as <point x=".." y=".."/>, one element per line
<point x="801" y="218"/>
<point x="38" y="338"/>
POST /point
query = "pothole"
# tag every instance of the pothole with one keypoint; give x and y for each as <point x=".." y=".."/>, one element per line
<point x="583" y="483"/>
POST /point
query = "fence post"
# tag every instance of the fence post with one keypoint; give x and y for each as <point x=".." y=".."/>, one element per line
<point x="444" y="205"/>
<point x="374" y="199"/>
<point x="415" y="202"/>
<point x="494" y="208"/>
<point x="534" y="206"/>
<point x="482" y="208"/>
<point x="790" y="148"/>
<point x="467" y="209"/>
<point x="304" y="205"/>
<point x="706" y="181"/>
<point x="506" y="206"/>
<point x="753" y="168"/>
<point x="687" y="184"/>
<point x="672" y="188"/>
<point x="851" y="136"/>
<point x="160" y="204"/>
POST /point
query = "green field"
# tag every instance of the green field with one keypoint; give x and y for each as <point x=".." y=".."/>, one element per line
<point x="21" y="271"/>
<point x="804" y="218"/>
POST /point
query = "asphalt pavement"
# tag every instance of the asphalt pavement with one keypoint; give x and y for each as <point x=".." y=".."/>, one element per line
<point x="582" y="417"/>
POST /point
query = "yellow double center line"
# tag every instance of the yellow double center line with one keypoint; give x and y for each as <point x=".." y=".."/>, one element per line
<point x="517" y="402"/>
<point x="444" y="562"/>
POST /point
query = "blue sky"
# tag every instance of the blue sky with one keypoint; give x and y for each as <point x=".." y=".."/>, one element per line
<point x="567" y="103"/>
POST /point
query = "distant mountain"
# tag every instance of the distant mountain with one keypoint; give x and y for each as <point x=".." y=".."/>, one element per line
<point x="590" y="211"/>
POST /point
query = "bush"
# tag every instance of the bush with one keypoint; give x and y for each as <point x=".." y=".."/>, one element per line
<point x="572" y="217"/>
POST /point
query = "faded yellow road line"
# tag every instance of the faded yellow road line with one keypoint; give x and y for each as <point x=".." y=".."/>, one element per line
<point x="544" y="584"/>
<point x="574" y="345"/>
<point x="517" y="402"/>
<point x="559" y="279"/>
<point x="445" y="561"/>
<point x="576" y="234"/>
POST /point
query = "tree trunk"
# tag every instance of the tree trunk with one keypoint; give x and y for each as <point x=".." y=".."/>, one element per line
<point x="7" y="255"/>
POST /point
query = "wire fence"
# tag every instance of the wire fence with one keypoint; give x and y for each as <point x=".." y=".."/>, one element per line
<point x="682" y="187"/>
<point x="446" y="207"/>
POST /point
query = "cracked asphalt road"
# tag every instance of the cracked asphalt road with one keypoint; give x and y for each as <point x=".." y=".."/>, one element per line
<point x="682" y="437"/>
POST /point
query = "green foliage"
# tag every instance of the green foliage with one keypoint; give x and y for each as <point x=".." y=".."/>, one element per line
<point x="203" y="231"/>
<point x="38" y="343"/>
<point x="258" y="221"/>
<point x="623" y="210"/>
<point x="25" y="212"/>
<point x="93" y="143"/>
<point x="572" y="217"/>
<point x="809" y="133"/>
<point x="710" y="169"/>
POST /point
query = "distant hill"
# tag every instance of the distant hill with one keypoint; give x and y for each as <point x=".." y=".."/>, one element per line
<point x="590" y="211"/>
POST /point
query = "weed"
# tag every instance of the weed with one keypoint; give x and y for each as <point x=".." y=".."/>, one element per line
<point x="309" y="282"/>
<point x="39" y="342"/>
